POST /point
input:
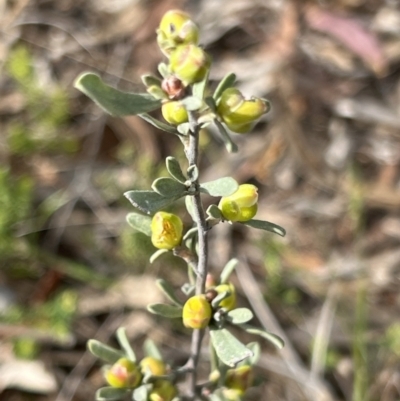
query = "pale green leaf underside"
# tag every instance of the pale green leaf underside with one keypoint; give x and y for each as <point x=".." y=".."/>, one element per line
<point x="230" y="146"/>
<point x="228" y="348"/>
<point x="148" y="201"/>
<point x="104" y="352"/>
<point x="272" y="338"/>
<point x="168" y="291"/>
<point x="140" y="223"/>
<point x="174" y="169"/>
<point x="114" y="101"/>
<point x="151" y="349"/>
<point x="158" y="124"/>
<point x="266" y="226"/>
<point x="168" y="187"/>
<point x="224" y="186"/>
<point x="165" y="310"/>
<point x="124" y="343"/>
<point x="240" y="315"/>
<point x="227" y="270"/>
<point x="227" y="82"/>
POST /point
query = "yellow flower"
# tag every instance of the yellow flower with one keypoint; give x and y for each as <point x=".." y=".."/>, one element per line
<point x="166" y="230"/>
<point x="189" y="63"/>
<point x="196" y="312"/>
<point x="238" y="380"/>
<point x="174" y="112"/>
<point x="176" y="28"/>
<point x="163" y="390"/>
<point x="155" y="366"/>
<point x="242" y="205"/>
<point x="238" y="113"/>
<point x="229" y="302"/>
<point x="123" y="374"/>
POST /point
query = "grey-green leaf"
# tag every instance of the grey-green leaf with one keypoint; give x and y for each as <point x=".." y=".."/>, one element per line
<point x="124" y="343"/>
<point x="112" y="100"/>
<point x="148" y="201"/>
<point x="183" y="128"/>
<point x="139" y="222"/>
<point x="224" y="186"/>
<point x="256" y="349"/>
<point x="168" y="291"/>
<point x="174" y="169"/>
<point x="191" y="103"/>
<point x="227" y="270"/>
<point x="140" y="393"/>
<point x="227" y="82"/>
<point x="168" y="187"/>
<point x="266" y="226"/>
<point x="190" y="207"/>
<point x="163" y="69"/>
<point x="169" y="311"/>
<point x="214" y="212"/>
<point x="230" y="146"/>
<point x="150" y="80"/>
<point x="187" y="289"/>
<point x="240" y="315"/>
<point x="273" y="338"/>
<point x="110" y="394"/>
<point x="199" y="88"/>
<point x="104" y="352"/>
<point x="228" y="348"/>
<point x="157" y="254"/>
<point x="193" y="173"/>
<point x="151" y="349"/>
<point x="158" y="124"/>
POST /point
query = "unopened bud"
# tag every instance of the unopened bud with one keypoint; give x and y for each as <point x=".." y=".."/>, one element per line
<point x="176" y="28"/>
<point x="155" y="366"/>
<point x="166" y="230"/>
<point x="196" y="313"/>
<point x="229" y="302"/>
<point x="123" y="374"/>
<point x="174" y="112"/>
<point x="163" y="390"/>
<point x="189" y="63"/>
<point x="210" y="281"/>
<point x="173" y="87"/>
<point x="238" y="113"/>
<point x="240" y="206"/>
<point x="239" y="379"/>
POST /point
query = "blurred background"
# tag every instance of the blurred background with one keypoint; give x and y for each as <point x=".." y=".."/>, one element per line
<point x="326" y="159"/>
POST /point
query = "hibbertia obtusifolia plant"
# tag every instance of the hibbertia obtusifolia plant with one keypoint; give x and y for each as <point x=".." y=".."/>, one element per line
<point x="209" y="310"/>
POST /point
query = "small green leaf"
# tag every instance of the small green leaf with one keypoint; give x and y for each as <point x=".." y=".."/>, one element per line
<point x="230" y="146"/>
<point x="266" y="226"/>
<point x="227" y="82"/>
<point x="168" y="187"/>
<point x="228" y="348"/>
<point x="163" y="69"/>
<point x="191" y="233"/>
<point x="150" y="80"/>
<point x="139" y="222"/>
<point x="140" y="393"/>
<point x="110" y="394"/>
<point x="148" y="201"/>
<point x="151" y="349"/>
<point x="165" y="310"/>
<point x="240" y="315"/>
<point x="158" y="124"/>
<point x="187" y="289"/>
<point x="168" y="291"/>
<point x="221" y="187"/>
<point x="273" y="338"/>
<point x="214" y="212"/>
<point x="256" y="350"/>
<point x="227" y="270"/>
<point x="112" y="100"/>
<point x="190" y="207"/>
<point x="220" y="297"/>
<point x="199" y="88"/>
<point x="174" y="169"/>
<point x="192" y="103"/>
<point x="124" y="343"/>
<point x="183" y="128"/>
<point x="193" y="173"/>
<point x="104" y="352"/>
<point x="157" y="254"/>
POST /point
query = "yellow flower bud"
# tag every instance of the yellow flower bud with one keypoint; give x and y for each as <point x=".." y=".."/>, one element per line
<point x="166" y="230"/>
<point x="240" y="206"/>
<point x="196" y="312"/>
<point x="229" y="302"/>
<point x="123" y="374"/>
<point x="238" y="113"/>
<point x="239" y="379"/>
<point x="189" y="63"/>
<point x="155" y="366"/>
<point x="176" y="28"/>
<point x="163" y="390"/>
<point x="174" y="112"/>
